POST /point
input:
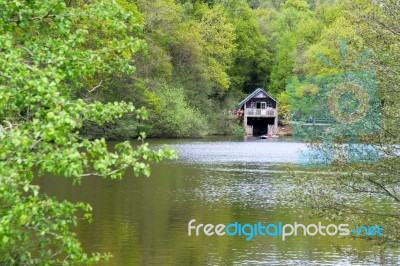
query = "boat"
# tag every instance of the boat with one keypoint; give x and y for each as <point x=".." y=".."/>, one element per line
<point x="269" y="136"/>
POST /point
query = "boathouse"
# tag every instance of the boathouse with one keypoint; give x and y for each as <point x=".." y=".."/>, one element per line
<point x="259" y="113"/>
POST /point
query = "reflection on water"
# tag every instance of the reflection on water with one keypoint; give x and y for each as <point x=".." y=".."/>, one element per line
<point x="242" y="153"/>
<point x="143" y="221"/>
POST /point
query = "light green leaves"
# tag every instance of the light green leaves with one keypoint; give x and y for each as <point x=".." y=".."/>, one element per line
<point x="48" y="51"/>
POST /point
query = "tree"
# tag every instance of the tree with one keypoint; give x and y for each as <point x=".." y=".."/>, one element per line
<point x="47" y="53"/>
<point x="251" y="59"/>
<point x="195" y="42"/>
<point x="285" y="37"/>
<point x="371" y="172"/>
<point x="175" y="117"/>
<point x="219" y="47"/>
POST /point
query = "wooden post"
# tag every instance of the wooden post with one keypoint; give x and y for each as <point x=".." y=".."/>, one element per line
<point x="245" y="119"/>
<point x="276" y="119"/>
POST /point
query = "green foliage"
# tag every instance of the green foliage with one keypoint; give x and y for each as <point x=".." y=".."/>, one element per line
<point x="48" y="52"/>
<point x="219" y="46"/>
<point x="66" y="74"/>
<point x="283" y="100"/>
<point x="364" y="24"/>
<point x="305" y="41"/>
<point x="175" y="118"/>
<point x="288" y="31"/>
<point x="252" y="57"/>
<point x="214" y="50"/>
<point x="194" y="45"/>
<point x="228" y="127"/>
<point x="299" y="5"/>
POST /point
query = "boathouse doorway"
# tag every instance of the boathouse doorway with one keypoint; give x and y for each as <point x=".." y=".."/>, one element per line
<point x="260" y="124"/>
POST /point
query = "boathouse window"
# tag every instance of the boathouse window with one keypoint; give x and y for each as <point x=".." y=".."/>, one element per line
<point x="253" y="105"/>
<point x="263" y="105"/>
<point x="269" y="104"/>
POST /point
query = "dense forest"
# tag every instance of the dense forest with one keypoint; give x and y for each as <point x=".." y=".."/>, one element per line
<point x="76" y="70"/>
<point x="197" y="59"/>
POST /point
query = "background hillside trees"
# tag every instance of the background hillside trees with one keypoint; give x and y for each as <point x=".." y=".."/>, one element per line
<point x="211" y="52"/>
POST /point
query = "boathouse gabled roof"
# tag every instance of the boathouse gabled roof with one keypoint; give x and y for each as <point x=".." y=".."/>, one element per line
<point x="254" y="94"/>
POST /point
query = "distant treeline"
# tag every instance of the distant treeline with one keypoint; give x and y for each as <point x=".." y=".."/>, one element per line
<point x="199" y="58"/>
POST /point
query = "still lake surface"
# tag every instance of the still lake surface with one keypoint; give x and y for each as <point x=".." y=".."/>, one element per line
<point x="144" y="220"/>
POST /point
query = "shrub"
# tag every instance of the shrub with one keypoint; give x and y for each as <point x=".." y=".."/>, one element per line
<point x="175" y="117"/>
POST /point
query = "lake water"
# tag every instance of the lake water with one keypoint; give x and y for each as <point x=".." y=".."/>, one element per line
<point x="144" y="220"/>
